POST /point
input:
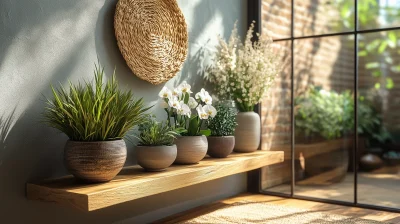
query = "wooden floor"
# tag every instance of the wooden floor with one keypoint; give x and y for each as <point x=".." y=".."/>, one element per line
<point x="315" y="206"/>
<point x="379" y="187"/>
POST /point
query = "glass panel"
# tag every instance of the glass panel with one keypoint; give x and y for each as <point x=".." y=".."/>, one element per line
<point x="276" y="125"/>
<point x="379" y="119"/>
<point x="313" y="17"/>
<point x="324" y="117"/>
<point x="276" y="17"/>
<point x="373" y="14"/>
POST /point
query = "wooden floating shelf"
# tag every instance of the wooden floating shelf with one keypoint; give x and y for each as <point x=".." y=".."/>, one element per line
<point x="133" y="183"/>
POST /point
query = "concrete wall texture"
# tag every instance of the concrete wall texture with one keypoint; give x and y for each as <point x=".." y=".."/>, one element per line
<point x="45" y="42"/>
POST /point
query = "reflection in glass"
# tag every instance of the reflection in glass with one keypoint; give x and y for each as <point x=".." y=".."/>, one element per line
<point x="276" y="125"/>
<point x="374" y="14"/>
<point x="313" y="17"/>
<point x="324" y="117"/>
<point x="379" y="119"/>
<point x="276" y="18"/>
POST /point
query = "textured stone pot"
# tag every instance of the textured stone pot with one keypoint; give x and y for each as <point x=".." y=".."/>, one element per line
<point x="95" y="162"/>
<point x="156" y="158"/>
<point x="247" y="132"/>
<point x="220" y="146"/>
<point x="191" y="149"/>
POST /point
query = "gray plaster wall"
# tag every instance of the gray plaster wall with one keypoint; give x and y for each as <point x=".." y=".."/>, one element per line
<point x="45" y="42"/>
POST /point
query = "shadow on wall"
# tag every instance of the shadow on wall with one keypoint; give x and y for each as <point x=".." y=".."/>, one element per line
<point x="5" y="125"/>
<point x="31" y="151"/>
<point x="36" y="14"/>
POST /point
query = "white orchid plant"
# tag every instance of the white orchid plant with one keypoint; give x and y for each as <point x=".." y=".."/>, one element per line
<point x="244" y="72"/>
<point x="179" y="105"/>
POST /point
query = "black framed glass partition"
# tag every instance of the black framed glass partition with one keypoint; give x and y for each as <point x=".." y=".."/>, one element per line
<point x="335" y="109"/>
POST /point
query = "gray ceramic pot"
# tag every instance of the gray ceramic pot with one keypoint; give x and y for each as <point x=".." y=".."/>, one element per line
<point x="191" y="149"/>
<point x="220" y="146"/>
<point x="95" y="162"/>
<point x="156" y="158"/>
<point x="247" y="132"/>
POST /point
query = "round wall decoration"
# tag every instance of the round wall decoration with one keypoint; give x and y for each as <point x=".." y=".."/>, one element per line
<point x="152" y="37"/>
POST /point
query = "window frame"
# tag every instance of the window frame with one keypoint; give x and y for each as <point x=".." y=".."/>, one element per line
<point x="254" y="13"/>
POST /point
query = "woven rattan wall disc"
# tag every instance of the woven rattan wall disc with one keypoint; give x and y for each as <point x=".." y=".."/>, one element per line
<point x="152" y="37"/>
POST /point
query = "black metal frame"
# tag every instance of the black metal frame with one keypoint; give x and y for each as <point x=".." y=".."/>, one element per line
<point x="254" y="11"/>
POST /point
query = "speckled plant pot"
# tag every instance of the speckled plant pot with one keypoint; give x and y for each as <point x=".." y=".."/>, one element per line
<point x="247" y="132"/>
<point x="191" y="149"/>
<point x="95" y="162"/>
<point x="156" y="158"/>
<point x="220" y="146"/>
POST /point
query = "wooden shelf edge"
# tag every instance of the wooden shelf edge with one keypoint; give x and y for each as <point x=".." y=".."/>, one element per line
<point x="133" y="183"/>
<point x="42" y="193"/>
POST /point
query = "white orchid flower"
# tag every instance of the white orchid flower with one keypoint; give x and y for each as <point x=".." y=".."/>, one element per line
<point x="177" y="93"/>
<point x="204" y="96"/>
<point x="174" y="102"/>
<point x="192" y="103"/>
<point x="183" y="109"/>
<point x="210" y="110"/>
<point x="200" y="94"/>
<point x="165" y="93"/>
<point x="202" y="114"/>
<point x="185" y="88"/>
<point x="207" y="99"/>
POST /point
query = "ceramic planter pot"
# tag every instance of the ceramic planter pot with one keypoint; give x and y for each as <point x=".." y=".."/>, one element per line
<point x="247" y="132"/>
<point x="220" y="146"/>
<point x="191" y="149"/>
<point x="95" y="162"/>
<point x="156" y="158"/>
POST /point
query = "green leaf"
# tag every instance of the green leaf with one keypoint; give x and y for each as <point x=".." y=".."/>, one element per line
<point x="392" y="39"/>
<point x="382" y="47"/>
<point x="206" y="132"/>
<point x="389" y="83"/>
<point x="373" y="45"/>
<point x="180" y="130"/>
<point x="186" y="99"/>
<point x="395" y="68"/>
<point x="389" y="60"/>
<point x="372" y="65"/>
<point x="362" y="53"/>
<point x="377" y="85"/>
<point x="193" y="126"/>
<point x="376" y="73"/>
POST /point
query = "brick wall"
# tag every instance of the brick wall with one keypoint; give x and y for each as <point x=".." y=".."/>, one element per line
<point x="326" y="62"/>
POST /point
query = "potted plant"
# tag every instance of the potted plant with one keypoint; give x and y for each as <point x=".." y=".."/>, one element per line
<point x="323" y="119"/>
<point x="221" y="141"/>
<point x="95" y="117"/>
<point x="244" y="72"/>
<point x="178" y="104"/>
<point x="156" y="149"/>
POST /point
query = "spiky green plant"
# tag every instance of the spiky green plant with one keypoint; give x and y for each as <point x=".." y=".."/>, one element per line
<point x="153" y="133"/>
<point x="94" y="111"/>
<point x="224" y="123"/>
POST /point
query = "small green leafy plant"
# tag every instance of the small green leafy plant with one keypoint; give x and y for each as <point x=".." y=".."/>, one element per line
<point x="330" y="115"/>
<point x="94" y="111"/>
<point x="153" y="133"/>
<point x="370" y="122"/>
<point x="324" y="113"/>
<point x="224" y="123"/>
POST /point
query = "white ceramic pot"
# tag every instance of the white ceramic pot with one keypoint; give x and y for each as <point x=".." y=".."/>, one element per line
<point x="247" y="132"/>
<point x="191" y="149"/>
